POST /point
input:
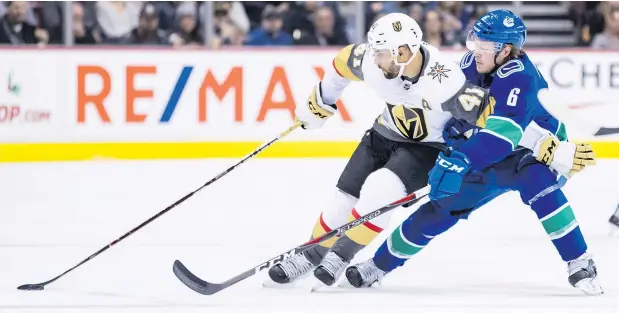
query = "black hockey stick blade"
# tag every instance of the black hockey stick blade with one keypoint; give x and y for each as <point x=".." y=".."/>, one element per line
<point x="32" y="287"/>
<point x="194" y="282"/>
<point x="207" y="288"/>
<point x="603" y="131"/>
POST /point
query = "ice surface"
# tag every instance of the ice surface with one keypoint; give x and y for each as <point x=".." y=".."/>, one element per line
<point x="53" y="215"/>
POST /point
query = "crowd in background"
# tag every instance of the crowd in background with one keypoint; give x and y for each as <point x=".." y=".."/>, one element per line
<point x="597" y="23"/>
<point x="263" y="23"/>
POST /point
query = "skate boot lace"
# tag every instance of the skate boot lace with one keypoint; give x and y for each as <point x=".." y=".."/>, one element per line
<point x="581" y="263"/>
<point x="369" y="272"/>
<point x="296" y="266"/>
<point x="333" y="264"/>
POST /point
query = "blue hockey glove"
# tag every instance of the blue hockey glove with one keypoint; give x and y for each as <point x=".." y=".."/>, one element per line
<point x="456" y="132"/>
<point x="446" y="176"/>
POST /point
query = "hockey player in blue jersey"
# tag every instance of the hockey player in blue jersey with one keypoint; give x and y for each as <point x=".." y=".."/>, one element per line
<point x="492" y="161"/>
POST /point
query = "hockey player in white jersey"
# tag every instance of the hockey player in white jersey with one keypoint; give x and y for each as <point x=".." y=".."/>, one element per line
<point x="394" y="157"/>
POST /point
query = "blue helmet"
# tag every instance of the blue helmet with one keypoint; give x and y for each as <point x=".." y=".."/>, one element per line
<point x="501" y="27"/>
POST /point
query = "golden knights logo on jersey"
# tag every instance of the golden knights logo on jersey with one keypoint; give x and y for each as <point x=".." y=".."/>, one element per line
<point x="410" y="121"/>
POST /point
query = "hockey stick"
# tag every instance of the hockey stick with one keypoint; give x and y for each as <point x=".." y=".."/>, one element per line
<point x="40" y="286"/>
<point x="207" y="288"/>
<point x="569" y="117"/>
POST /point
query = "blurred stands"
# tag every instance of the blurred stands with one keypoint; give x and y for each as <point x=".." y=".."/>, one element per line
<point x="307" y="23"/>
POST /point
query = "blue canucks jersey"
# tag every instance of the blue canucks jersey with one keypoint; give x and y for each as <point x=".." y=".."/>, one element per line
<point x="514" y="87"/>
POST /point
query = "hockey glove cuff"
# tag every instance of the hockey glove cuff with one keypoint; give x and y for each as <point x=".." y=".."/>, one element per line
<point x="315" y="113"/>
<point x="565" y="157"/>
<point x="446" y="176"/>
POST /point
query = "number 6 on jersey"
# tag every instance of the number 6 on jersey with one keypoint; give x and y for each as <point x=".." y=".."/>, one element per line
<point x="512" y="99"/>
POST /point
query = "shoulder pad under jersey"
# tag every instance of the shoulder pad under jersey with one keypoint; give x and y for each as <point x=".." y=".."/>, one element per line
<point x="471" y="103"/>
<point x="348" y="62"/>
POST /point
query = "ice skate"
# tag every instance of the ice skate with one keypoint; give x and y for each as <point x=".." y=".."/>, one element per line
<point x="583" y="275"/>
<point x="364" y="274"/>
<point x="329" y="270"/>
<point x="289" y="270"/>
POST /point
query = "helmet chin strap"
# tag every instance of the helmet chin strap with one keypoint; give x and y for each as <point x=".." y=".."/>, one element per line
<point x="403" y="65"/>
<point x="496" y="64"/>
<point x="496" y="57"/>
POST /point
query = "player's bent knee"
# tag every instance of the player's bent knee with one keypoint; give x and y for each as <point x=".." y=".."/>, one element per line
<point x="535" y="182"/>
<point x="380" y="188"/>
<point x="337" y="212"/>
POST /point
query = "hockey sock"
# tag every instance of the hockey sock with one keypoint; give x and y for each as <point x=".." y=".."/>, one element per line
<point x="334" y="217"/>
<point x="380" y="188"/>
<point x="412" y="236"/>
<point x="315" y="254"/>
<point x="558" y="219"/>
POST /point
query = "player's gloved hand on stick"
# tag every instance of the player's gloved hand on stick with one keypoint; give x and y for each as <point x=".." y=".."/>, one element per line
<point x="315" y="113"/>
<point x="456" y="132"/>
<point x="565" y="157"/>
<point x="446" y="176"/>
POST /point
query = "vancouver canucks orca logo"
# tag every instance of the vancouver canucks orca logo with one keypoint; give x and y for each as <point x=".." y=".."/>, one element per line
<point x="508" y="22"/>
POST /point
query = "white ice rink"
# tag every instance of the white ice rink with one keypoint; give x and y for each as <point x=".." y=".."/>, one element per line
<point x="54" y="215"/>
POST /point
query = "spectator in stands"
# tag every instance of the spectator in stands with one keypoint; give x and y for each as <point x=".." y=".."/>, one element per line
<point x="302" y="18"/>
<point x="325" y="33"/>
<point x="432" y="28"/>
<point x="186" y="27"/>
<point x="270" y="32"/>
<point x="30" y="16"/>
<point x="254" y="10"/>
<point x="452" y="16"/>
<point x="230" y="11"/>
<point x="83" y="12"/>
<point x="14" y="29"/>
<point x="148" y="32"/>
<point x="609" y="38"/>
<point x="588" y="20"/>
<point x="167" y="12"/>
<point x="230" y="23"/>
<point x="231" y="34"/>
<point x="117" y="19"/>
<point x="375" y="9"/>
<point x="415" y="10"/>
<point x="82" y="33"/>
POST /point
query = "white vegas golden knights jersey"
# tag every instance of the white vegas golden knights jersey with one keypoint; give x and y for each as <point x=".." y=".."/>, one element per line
<point x="416" y="109"/>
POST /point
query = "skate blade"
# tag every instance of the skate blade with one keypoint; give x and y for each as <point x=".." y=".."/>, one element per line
<point x="269" y="284"/>
<point x="613" y="231"/>
<point x="345" y="284"/>
<point x="590" y="287"/>
<point x="317" y="286"/>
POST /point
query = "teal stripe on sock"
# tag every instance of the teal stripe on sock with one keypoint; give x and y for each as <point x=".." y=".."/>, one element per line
<point x="559" y="223"/>
<point x="400" y="247"/>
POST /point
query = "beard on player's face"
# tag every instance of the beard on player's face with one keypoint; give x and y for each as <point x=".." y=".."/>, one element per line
<point x="391" y="71"/>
